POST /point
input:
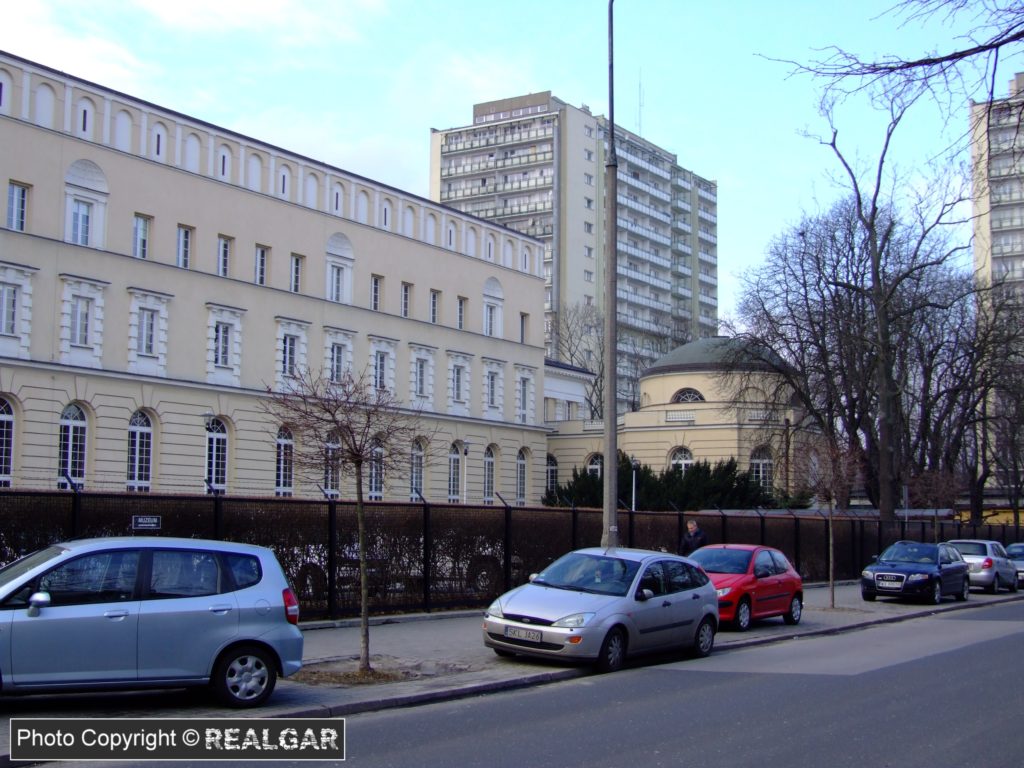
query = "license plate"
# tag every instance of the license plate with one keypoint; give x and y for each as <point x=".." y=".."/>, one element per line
<point x="529" y="635"/>
<point x="883" y="584"/>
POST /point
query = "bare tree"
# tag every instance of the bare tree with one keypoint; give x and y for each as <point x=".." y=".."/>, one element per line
<point x="348" y="423"/>
<point x="581" y="343"/>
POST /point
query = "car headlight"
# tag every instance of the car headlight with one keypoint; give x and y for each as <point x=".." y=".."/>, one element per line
<point x="867" y="574"/>
<point x="723" y="591"/>
<point x="494" y="610"/>
<point x="574" y="620"/>
<point x="918" y="577"/>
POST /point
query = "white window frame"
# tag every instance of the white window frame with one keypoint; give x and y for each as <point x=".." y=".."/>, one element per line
<point x="406" y="299"/>
<point x="140" y="453"/>
<point x="82" y="314"/>
<point x="7" y="433"/>
<point x="376" y="292"/>
<point x="73" y="446"/>
<point x="223" y="256"/>
<point x="421" y="374"/>
<point x="455" y="474"/>
<point x="16" y="306"/>
<point x="521" y="472"/>
<point x="147" y="347"/>
<point x="339" y="279"/>
<point x="183" y="253"/>
<point x="140" y="236"/>
<point x="17" y="206"/>
<point x="459" y="383"/>
<point x="284" y="463"/>
<point x="259" y="269"/>
<point x="488" y="475"/>
<point x="295" y="279"/>
<point x="216" y="371"/>
<point x="337" y="354"/>
<point x="291" y="350"/>
<point x="416" y="461"/>
<point x="382" y="363"/>
<point x="460" y="315"/>
<point x="435" y="306"/>
<point x="81" y="221"/>
<point x="217" y="457"/>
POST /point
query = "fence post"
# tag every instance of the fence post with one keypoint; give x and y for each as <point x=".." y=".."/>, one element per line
<point x="575" y="526"/>
<point x="796" y="542"/>
<point x="761" y="524"/>
<point x="725" y="526"/>
<point x="506" y="544"/>
<point x="428" y="546"/>
<point x="332" y="556"/>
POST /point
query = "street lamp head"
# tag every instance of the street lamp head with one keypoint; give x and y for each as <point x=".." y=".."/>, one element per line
<point x="208" y="418"/>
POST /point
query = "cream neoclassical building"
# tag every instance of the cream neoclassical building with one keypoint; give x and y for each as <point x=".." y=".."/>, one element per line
<point x="703" y="401"/>
<point x="158" y="272"/>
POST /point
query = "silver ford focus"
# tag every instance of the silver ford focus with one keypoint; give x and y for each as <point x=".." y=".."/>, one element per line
<point x="605" y="605"/>
<point x="148" y="612"/>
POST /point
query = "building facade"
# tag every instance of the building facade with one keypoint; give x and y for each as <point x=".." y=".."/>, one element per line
<point x="537" y="165"/>
<point x="158" y="273"/>
<point x="998" y="177"/>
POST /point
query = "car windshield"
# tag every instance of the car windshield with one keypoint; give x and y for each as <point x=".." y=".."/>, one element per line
<point x="716" y="560"/>
<point x="601" y="574"/>
<point x="970" y="547"/>
<point x="15" y="569"/>
<point x="910" y="552"/>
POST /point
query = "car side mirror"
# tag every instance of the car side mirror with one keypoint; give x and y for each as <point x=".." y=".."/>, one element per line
<point x="37" y="601"/>
<point x="643" y="595"/>
<point x="762" y="572"/>
<point x="533" y="576"/>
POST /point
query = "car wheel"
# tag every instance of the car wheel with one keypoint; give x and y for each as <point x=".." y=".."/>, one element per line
<point x="796" y="610"/>
<point x="704" y="640"/>
<point x="1013" y="586"/>
<point x="993" y="588"/>
<point x="742" y="620"/>
<point x="936" y="596"/>
<point x="244" y="676"/>
<point x="965" y="590"/>
<point x="503" y="653"/>
<point x="613" y="651"/>
<point x="867" y="597"/>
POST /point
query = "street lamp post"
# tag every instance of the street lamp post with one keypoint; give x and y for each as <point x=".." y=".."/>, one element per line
<point x="610" y="534"/>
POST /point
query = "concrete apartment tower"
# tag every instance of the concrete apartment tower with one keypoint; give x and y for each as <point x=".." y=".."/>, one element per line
<point x="997" y="155"/>
<point x="536" y="165"/>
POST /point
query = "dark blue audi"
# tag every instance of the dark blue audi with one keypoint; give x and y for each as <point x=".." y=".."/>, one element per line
<point x="913" y="569"/>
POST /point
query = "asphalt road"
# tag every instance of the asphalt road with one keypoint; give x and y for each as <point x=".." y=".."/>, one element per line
<point x="934" y="692"/>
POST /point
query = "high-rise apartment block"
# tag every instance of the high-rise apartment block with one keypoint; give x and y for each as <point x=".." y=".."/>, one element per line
<point x="537" y="165"/>
<point x="997" y="148"/>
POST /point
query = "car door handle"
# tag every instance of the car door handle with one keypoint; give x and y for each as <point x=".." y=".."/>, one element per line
<point x="666" y="603"/>
<point x="220" y="608"/>
<point x="695" y="596"/>
<point x="118" y="614"/>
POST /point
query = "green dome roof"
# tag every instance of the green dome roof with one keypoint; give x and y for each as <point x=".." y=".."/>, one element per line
<point x="717" y="353"/>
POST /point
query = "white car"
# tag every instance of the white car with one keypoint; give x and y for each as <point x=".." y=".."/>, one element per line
<point x="605" y="605"/>
<point x="991" y="567"/>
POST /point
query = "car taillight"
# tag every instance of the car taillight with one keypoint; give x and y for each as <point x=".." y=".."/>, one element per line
<point x="291" y="606"/>
<point x="987" y="563"/>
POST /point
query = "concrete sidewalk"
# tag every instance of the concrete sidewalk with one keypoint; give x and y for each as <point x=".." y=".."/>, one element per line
<point x="448" y="651"/>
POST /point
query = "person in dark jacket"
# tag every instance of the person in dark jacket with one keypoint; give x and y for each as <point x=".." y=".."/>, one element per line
<point x="693" y="539"/>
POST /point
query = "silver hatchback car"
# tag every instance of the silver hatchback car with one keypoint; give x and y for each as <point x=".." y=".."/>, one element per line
<point x="604" y="605"/>
<point x="148" y="612"/>
<point x="991" y="566"/>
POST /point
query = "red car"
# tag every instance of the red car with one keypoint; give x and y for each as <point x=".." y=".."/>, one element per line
<point x="753" y="582"/>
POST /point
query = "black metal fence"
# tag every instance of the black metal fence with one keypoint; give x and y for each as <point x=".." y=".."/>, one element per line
<point x="433" y="556"/>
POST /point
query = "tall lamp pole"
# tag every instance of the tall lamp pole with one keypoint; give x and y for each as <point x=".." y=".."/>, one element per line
<point x="610" y="535"/>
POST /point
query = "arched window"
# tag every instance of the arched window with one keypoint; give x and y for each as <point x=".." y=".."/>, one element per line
<point x="337" y="199"/>
<point x="193" y="148"/>
<point x="761" y="466"/>
<point x="454" y="473"/>
<point x="682" y="459"/>
<point x="158" y="142"/>
<point x="385" y="215"/>
<point x="6" y="443"/>
<point x="84" y="126"/>
<point x="216" y="456"/>
<point x="254" y="173"/>
<point x="44" y="106"/>
<point x="687" y="395"/>
<point x="284" y="181"/>
<point x="416" y="471"/>
<point x="123" y="131"/>
<point x="362" y="207"/>
<point x="521" y="465"/>
<point x="73" y="444"/>
<point x="595" y="464"/>
<point x="284" y="474"/>
<point x="224" y="162"/>
<point x="376" y="473"/>
<point x="551" y="479"/>
<point x="489" y="475"/>
<point x="140" y="452"/>
<point x="493" y="304"/>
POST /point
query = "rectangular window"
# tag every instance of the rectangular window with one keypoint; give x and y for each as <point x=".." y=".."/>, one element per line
<point x="223" y="255"/>
<point x="458" y="378"/>
<point x="588" y="276"/>
<point x="81" y="213"/>
<point x="17" y="204"/>
<point x="524" y="323"/>
<point x="337" y="362"/>
<point x="460" y="319"/>
<point x="336" y="282"/>
<point x="8" y="309"/>
<point x="588" y="203"/>
<point x="421" y="377"/>
<point x="406" y="299"/>
<point x="588" y="179"/>
<point x="492" y="389"/>
<point x="296" y="274"/>
<point x="588" y="251"/>
<point x="588" y="155"/>
<point x="380" y="368"/>
<point x="140" y="237"/>
<point x="289" y="354"/>
<point x="376" y="284"/>
<point x="81" y="308"/>
<point x="588" y="227"/>
<point x="435" y="306"/>
<point x="524" y="394"/>
<point x="222" y="345"/>
<point x="184" y="258"/>
<point x="259" y="273"/>
<point x="146" y="343"/>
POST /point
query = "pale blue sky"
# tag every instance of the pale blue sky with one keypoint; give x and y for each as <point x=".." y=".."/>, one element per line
<point x="360" y="83"/>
